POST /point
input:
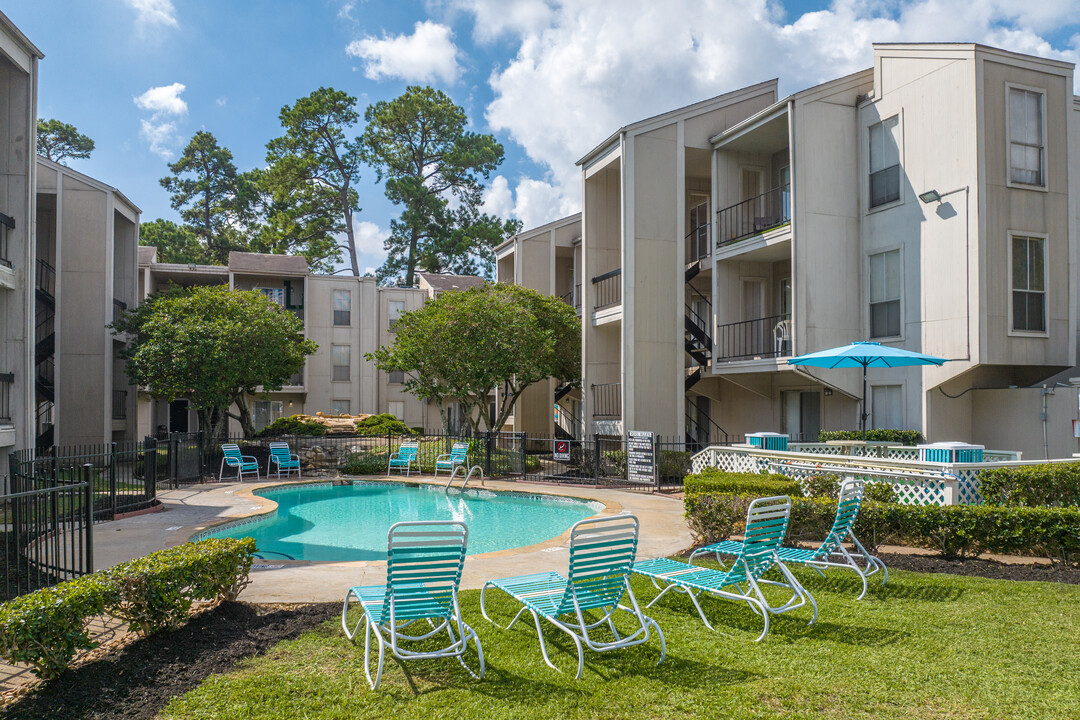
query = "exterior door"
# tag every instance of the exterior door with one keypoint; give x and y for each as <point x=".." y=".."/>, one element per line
<point x="178" y="416"/>
<point x="756" y="333"/>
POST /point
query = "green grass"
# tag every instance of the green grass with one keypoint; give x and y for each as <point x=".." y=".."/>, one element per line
<point x="923" y="646"/>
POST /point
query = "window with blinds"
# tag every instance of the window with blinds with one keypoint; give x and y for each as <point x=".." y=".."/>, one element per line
<point x="885" y="161"/>
<point x="1026" y="141"/>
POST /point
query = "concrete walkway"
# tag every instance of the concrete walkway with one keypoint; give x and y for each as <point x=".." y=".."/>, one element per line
<point x="189" y="510"/>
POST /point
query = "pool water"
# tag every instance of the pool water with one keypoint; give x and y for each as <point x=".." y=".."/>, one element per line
<point x="350" y="522"/>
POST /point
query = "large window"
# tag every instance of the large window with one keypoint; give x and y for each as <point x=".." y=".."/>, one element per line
<point x="1026" y="142"/>
<point x="885" y="161"/>
<point x="885" y="294"/>
<point x="1028" y="284"/>
<point x="342" y="358"/>
<point x="275" y="294"/>
<point x="396" y="309"/>
<point x="342" y="307"/>
<point x="264" y="412"/>
<point x="397" y="377"/>
<point x="887" y="407"/>
<point x="342" y="407"/>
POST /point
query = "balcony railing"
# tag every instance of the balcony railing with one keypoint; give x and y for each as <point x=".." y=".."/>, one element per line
<point x="7" y="224"/>
<point x="119" y="404"/>
<point x="608" y="289"/>
<point x="573" y="297"/>
<point x="118" y="307"/>
<point x="7" y="380"/>
<point x="45" y="280"/>
<point x="607" y="401"/>
<point x="759" y="338"/>
<point x="756" y="215"/>
<point x="697" y="244"/>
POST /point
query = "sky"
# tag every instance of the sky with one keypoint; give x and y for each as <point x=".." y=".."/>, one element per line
<point x="549" y="79"/>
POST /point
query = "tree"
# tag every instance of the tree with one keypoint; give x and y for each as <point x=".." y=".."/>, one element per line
<point x="313" y="168"/>
<point x="214" y="346"/>
<point x="464" y="344"/>
<point x="58" y="141"/>
<point x="174" y="243"/>
<point x="214" y="200"/>
<point x="418" y="144"/>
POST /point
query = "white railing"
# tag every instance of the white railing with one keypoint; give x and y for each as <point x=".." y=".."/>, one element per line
<point x="888" y="451"/>
<point x="914" y="482"/>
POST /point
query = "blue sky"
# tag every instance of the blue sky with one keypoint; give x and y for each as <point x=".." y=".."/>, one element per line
<point x="549" y="79"/>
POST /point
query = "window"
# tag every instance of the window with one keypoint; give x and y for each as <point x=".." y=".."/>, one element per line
<point x="1026" y="137"/>
<point x="887" y="407"/>
<point x="396" y="408"/>
<point x="342" y="407"/>
<point x="264" y="412"/>
<point x="885" y="294"/>
<point x="275" y="294"/>
<point x="397" y="377"/>
<point x="1029" y="284"/>
<point x="397" y="308"/>
<point x="342" y="362"/>
<point x="885" y="161"/>
<point x="342" y="307"/>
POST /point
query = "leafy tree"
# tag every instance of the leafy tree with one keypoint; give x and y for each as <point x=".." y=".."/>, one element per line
<point x="313" y="168"/>
<point x="58" y="141"/>
<point x="174" y="243"/>
<point x="214" y="346"/>
<point x="214" y="200"/>
<point x="464" y="344"/>
<point x="418" y="144"/>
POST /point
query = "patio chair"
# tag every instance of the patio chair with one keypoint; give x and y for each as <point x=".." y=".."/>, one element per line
<point x="458" y="455"/>
<point x="831" y="553"/>
<point x="423" y="571"/>
<point x="601" y="552"/>
<point x="283" y="459"/>
<point x="244" y="464"/>
<point x="766" y="524"/>
<point x="405" y="457"/>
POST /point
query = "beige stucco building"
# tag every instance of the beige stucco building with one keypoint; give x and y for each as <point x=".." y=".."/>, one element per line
<point x="720" y="239"/>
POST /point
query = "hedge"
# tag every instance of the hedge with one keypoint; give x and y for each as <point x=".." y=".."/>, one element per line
<point x="951" y="530"/>
<point x="904" y="437"/>
<point x="292" y="425"/>
<point x="47" y="627"/>
<point x="1047" y="484"/>
<point x="384" y="424"/>
<point x="713" y="480"/>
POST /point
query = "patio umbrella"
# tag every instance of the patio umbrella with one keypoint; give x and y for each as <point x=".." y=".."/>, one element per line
<point x="865" y="355"/>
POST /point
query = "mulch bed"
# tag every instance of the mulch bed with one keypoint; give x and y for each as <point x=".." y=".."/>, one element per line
<point x="138" y="680"/>
<point x="978" y="567"/>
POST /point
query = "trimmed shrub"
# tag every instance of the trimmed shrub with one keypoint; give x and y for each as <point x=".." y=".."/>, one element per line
<point x="881" y="492"/>
<point x="904" y="437"/>
<point x="825" y="485"/>
<point x="712" y="480"/>
<point x="292" y="425"/>
<point x="365" y="463"/>
<point x="1047" y="484"/>
<point x="384" y="424"/>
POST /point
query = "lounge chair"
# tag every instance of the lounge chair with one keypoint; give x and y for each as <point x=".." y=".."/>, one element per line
<point x="405" y="457"/>
<point x="423" y="571"/>
<point x="458" y="456"/>
<point x="283" y="459"/>
<point x="244" y="464"/>
<point x="766" y="524"/>
<point x="831" y="553"/>
<point x="601" y="552"/>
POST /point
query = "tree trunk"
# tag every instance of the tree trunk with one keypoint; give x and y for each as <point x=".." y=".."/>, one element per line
<point x="442" y="417"/>
<point x="243" y="415"/>
<point x="349" y="234"/>
<point x="410" y="265"/>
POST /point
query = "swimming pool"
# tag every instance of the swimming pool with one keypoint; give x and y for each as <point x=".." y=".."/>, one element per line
<point x="328" y="522"/>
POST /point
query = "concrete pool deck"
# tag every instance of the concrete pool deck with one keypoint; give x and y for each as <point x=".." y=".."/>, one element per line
<point x="192" y="509"/>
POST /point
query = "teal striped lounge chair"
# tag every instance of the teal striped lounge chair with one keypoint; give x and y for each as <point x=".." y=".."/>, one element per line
<point x="457" y="457"/>
<point x="244" y="464"/>
<point x="831" y="553"/>
<point x="423" y="571"/>
<point x="406" y="456"/>
<point x="282" y="458"/>
<point x="766" y="525"/>
<point x="601" y="553"/>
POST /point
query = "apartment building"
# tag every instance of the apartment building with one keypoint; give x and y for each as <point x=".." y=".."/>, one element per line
<point x="347" y="317"/>
<point x="924" y="203"/>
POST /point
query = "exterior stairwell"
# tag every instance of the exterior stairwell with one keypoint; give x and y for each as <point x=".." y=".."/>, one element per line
<point x="44" y="352"/>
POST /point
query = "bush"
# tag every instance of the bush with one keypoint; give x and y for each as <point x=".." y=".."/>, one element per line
<point x="881" y="492"/>
<point x="292" y="425"/>
<point x="825" y="485"/>
<point x="47" y="627"/>
<point x="904" y="437"/>
<point x="365" y="463"/>
<point x="384" y="424"/>
<point x="1047" y="484"/>
<point x="713" y="480"/>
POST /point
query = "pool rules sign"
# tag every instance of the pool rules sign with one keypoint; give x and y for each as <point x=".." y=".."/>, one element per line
<point x="640" y="457"/>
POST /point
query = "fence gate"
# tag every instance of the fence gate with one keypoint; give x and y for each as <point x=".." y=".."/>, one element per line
<point x="183" y="458"/>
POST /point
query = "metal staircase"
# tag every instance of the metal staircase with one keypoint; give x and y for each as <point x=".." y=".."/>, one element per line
<point x="698" y="341"/>
<point x="701" y="429"/>
<point x="44" y="352"/>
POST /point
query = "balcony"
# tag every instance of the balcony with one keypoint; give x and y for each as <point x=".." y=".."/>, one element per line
<point x="760" y="338"/>
<point x="7" y="224"/>
<point x="7" y="380"/>
<point x="118" y="308"/>
<point x="119" y="404"/>
<point x="573" y="298"/>
<point x="698" y="246"/>
<point x="607" y="289"/>
<point x="771" y="209"/>
<point x="607" y="401"/>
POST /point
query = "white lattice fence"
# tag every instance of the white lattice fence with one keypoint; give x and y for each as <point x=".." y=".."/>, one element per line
<point x="910" y="489"/>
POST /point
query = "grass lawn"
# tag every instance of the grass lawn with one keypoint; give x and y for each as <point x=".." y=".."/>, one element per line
<point x="923" y="646"/>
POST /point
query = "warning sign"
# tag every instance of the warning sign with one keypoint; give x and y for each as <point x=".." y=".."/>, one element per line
<point x="562" y="450"/>
<point x="640" y="457"/>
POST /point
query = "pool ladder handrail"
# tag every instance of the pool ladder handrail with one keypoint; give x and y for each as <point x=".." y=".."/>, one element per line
<point x="453" y="474"/>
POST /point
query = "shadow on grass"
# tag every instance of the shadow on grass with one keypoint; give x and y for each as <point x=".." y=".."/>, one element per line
<point x="847" y="583"/>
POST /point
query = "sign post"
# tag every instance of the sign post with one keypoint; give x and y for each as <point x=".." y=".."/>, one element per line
<point x="640" y="458"/>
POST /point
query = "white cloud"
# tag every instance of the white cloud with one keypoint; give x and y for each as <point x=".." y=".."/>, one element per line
<point x="583" y="70"/>
<point x="222" y="101"/>
<point x="164" y="100"/>
<point x="370" y="238"/>
<point x="154" y="12"/>
<point x="160" y="130"/>
<point x="426" y="55"/>
<point x="162" y="136"/>
<point x="533" y="202"/>
<point x="346" y="10"/>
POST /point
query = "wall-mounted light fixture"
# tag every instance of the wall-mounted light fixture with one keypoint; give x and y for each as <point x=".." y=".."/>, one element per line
<point x="930" y="196"/>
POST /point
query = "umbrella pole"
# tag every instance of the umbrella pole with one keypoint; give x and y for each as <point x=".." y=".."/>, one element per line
<point x="862" y="408"/>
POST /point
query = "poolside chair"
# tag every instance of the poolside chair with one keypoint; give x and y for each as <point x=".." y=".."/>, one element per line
<point x="423" y="571"/>
<point x="244" y="464"/>
<point x="601" y="552"/>
<point x="459" y="455"/>
<point x="831" y="553"/>
<point x="405" y="457"/>
<point x="766" y="524"/>
<point x="283" y="458"/>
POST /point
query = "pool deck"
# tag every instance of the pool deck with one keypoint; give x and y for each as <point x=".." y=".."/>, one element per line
<point x="189" y="510"/>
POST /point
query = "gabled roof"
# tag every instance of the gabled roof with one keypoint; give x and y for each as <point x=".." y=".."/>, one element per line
<point x="267" y="264"/>
<point x="440" y="282"/>
<point x="147" y="255"/>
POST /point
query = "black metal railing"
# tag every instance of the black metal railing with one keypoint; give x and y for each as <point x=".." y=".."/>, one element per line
<point x="750" y="217"/>
<point x="119" y="404"/>
<point x="697" y="244"/>
<point x="7" y="224"/>
<point x="7" y="381"/>
<point x="118" y="307"/>
<point x="759" y="338"/>
<point x="45" y="277"/>
<point x="608" y="289"/>
<point x="45" y="371"/>
<point x="607" y="400"/>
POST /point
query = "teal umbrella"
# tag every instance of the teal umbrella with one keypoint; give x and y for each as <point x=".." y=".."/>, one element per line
<point x="865" y="355"/>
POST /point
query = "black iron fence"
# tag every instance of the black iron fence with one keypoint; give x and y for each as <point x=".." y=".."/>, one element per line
<point x="607" y="289"/>
<point x="756" y="215"/>
<point x="758" y="338"/>
<point x="602" y="462"/>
